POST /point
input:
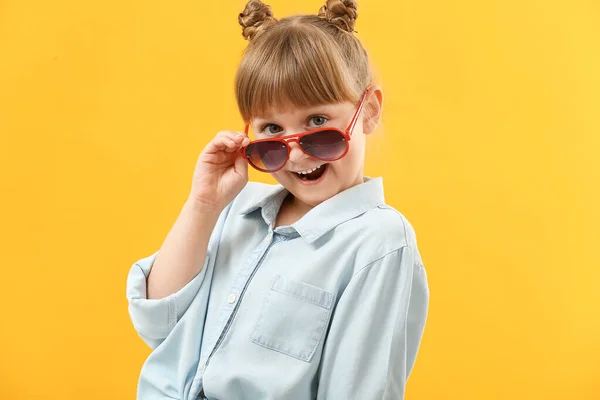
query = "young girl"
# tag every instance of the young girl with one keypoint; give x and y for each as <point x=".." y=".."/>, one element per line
<point x="311" y="289"/>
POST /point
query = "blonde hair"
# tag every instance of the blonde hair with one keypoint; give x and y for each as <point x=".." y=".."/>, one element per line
<point x="302" y="60"/>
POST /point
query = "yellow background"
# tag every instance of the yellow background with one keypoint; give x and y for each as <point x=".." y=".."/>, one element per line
<point x="489" y="145"/>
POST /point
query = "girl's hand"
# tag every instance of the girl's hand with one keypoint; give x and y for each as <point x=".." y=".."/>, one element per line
<point x="221" y="172"/>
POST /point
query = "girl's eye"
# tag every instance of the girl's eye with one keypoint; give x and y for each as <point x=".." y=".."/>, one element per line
<point x="318" y="120"/>
<point x="271" y="129"/>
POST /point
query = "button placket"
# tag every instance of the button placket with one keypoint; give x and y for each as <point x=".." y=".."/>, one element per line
<point x="239" y="285"/>
<point x="228" y="308"/>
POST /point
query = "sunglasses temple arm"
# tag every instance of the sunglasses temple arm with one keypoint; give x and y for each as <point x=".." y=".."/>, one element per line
<point x="358" y="110"/>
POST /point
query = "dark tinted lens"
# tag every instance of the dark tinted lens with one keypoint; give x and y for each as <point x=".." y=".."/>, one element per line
<point x="267" y="156"/>
<point x="325" y="145"/>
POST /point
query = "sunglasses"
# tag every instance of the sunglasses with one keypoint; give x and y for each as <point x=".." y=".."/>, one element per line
<point x="325" y="144"/>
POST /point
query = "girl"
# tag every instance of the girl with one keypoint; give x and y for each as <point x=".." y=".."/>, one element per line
<point x="311" y="289"/>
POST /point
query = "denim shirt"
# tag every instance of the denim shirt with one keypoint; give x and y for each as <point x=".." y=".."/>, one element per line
<point x="330" y="307"/>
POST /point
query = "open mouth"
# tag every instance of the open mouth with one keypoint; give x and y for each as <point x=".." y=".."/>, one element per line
<point x="312" y="174"/>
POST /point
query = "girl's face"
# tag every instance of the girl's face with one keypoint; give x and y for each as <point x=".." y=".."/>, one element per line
<point x="332" y="177"/>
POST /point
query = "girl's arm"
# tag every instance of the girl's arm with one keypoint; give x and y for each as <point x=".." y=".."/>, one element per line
<point x="220" y="175"/>
<point x="376" y="330"/>
<point x="161" y="287"/>
<point x="183" y="251"/>
<point x="154" y="319"/>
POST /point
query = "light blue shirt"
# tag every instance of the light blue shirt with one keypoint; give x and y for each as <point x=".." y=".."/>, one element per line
<point x="331" y="307"/>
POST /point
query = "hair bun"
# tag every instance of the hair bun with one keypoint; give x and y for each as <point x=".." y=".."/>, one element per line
<point x="341" y="13"/>
<point x="255" y="18"/>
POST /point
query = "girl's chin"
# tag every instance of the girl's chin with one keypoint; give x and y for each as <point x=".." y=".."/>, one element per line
<point x="312" y="195"/>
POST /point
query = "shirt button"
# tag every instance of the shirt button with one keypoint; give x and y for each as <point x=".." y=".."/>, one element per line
<point x="231" y="298"/>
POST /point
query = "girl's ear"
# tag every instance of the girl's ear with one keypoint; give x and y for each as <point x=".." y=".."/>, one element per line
<point x="372" y="110"/>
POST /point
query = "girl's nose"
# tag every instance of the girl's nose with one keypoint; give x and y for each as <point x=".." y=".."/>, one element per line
<point x="296" y="153"/>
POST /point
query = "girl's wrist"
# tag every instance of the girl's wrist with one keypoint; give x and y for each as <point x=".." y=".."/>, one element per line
<point x="203" y="210"/>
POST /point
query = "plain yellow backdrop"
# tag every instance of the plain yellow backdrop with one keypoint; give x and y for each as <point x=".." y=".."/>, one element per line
<point x="490" y="145"/>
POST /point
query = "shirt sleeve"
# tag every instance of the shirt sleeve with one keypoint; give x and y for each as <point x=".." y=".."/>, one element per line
<point x="154" y="319"/>
<point x="376" y="330"/>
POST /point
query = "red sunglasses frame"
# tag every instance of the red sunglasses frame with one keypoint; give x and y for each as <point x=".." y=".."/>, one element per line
<point x="347" y="134"/>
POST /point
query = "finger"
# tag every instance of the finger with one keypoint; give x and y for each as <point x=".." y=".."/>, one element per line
<point x="216" y="145"/>
<point x="238" y="139"/>
<point x="224" y="142"/>
<point x="233" y="149"/>
<point x="235" y="136"/>
<point x="241" y="143"/>
<point x="241" y="167"/>
<point x="238" y="143"/>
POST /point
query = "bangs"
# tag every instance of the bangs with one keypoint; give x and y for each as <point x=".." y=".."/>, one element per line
<point x="292" y="67"/>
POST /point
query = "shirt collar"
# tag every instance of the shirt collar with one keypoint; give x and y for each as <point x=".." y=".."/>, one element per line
<point x="340" y="208"/>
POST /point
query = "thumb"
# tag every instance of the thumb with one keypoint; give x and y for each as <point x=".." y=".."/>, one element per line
<point x="241" y="167"/>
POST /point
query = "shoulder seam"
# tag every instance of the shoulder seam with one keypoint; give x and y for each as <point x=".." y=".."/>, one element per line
<point x="379" y="259"/>
<point x="402" y="217"/>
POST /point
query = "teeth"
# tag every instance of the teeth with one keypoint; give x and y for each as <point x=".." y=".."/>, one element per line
<point x="308" y="171"/>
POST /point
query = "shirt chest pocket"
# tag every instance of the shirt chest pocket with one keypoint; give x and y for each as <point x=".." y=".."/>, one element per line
<point x="293" y="318"/>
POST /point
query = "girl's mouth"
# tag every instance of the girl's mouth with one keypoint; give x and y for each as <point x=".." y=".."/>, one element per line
<point x="314" y="176"/>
